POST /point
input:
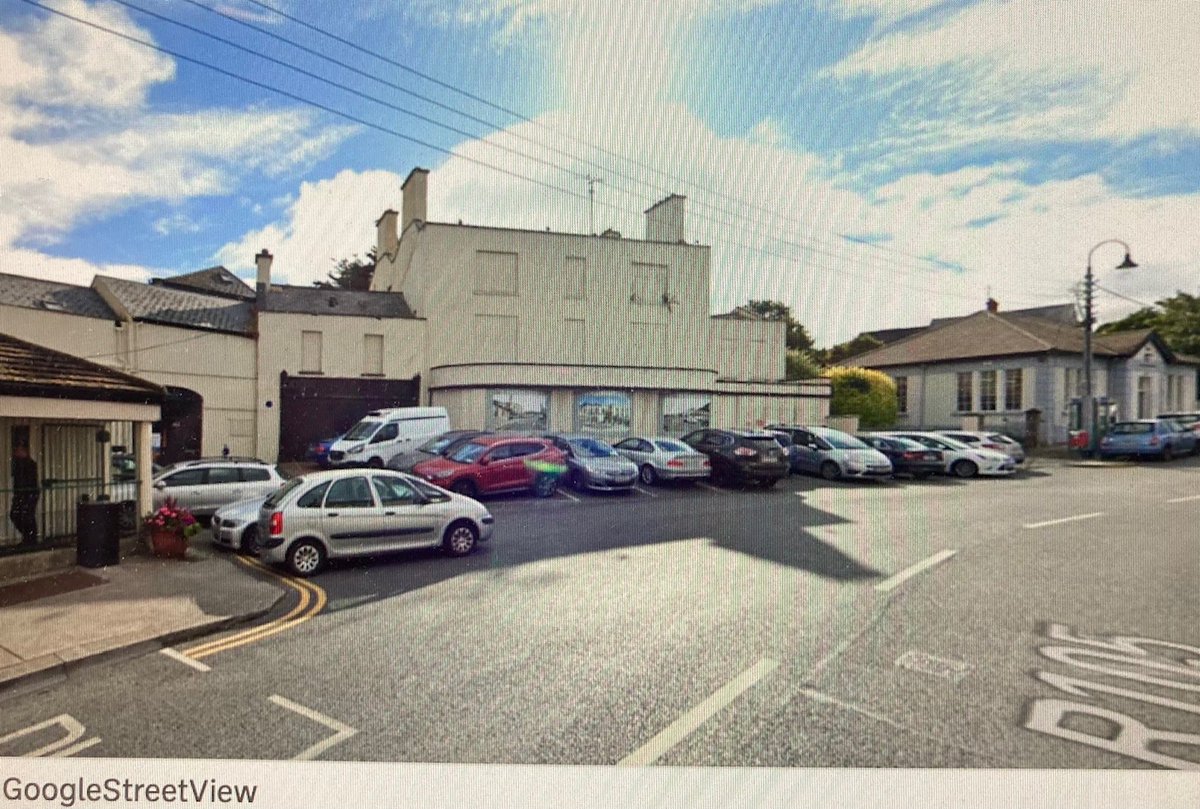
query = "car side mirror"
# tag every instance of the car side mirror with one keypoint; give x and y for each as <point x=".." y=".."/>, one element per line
<point x="484" y="461"/>
<point x="160" y="485"/>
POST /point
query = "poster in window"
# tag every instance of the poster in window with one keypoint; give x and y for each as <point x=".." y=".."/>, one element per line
<point x="605" y="414"/>
<point x="684" y="412"/>
<point x="517" y="410"/>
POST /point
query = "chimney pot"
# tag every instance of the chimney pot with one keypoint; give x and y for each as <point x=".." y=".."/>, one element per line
<point x="993" y="305"/>
<point x="263" y="263"/>
<point x="415" y="188"/>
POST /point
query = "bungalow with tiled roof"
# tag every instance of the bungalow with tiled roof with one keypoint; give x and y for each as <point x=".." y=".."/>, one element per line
<point x="1020" y="372"/>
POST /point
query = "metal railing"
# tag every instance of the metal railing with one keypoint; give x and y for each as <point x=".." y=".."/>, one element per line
<point x="56" y="511"/>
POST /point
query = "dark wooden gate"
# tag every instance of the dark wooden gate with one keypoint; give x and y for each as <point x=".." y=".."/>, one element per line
<point x="312" y="408"/>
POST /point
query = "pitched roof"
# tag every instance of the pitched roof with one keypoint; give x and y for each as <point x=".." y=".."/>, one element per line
<point x="177" y="307"/>
<point x="886" y="336"/>
<point x="212" y="280"/>
<point x="318" y="301"/>
<point x="51" y="296"/>
<point x="27" y="369"/>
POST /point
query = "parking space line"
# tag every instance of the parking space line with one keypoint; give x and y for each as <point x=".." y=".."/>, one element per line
<point x="568" y="496"/>
<point x="185" y="660"/>
<point x="1062" y="520"/>
<point x="710" y="487"/>
<point x="640" y="490"/>
<point x="682" y="727"/>
<point x="1187" y="499"/>
<point x="341" y="731"/>
<point x="892" y="582"/>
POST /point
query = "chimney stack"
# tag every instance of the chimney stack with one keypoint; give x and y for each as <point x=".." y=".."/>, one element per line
<point x="664" y="220"/>
<point x="415" y="190"/>
<point x="387" y="238"/>
<point x="263" y="262"/>
<point x="992" y="305"/>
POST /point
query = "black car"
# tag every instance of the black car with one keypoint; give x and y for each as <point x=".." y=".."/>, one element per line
<point x="742" y="456"/>
<point x="439" y="446"/>
<point x="908" y="457"/>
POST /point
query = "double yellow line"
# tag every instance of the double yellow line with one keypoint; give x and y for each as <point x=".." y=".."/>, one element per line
<point x="312" y="601"/>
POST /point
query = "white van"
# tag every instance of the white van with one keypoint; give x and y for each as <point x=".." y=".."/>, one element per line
<point x="384" y="433"/>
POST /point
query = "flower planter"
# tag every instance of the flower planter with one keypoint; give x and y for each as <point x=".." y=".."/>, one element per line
<point x="168" y="544"/>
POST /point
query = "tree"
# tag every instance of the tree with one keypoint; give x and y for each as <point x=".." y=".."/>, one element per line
<point x="798" y="338"/>
<point x="844" y="351"/>
<point x="802" y="365"/>
<point x="1176" y="320"/>
<point x="351" y="273"/>
<point x="870" y="395"/>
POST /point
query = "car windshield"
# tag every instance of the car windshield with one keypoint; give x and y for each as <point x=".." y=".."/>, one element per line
<point x="364" y="429"/>
<point x="591" y="448"/>
<point x="434" y="446"/>
<point x="907" y="443"/>
<point x="842" y="441"/>
<point x="468" y="453"/>
<point x="1132" y="428"/>
<point x="277" y="498"/>
<point x="672" y="446"/>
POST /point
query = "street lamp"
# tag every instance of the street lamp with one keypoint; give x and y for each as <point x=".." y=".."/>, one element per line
<point x="1089" y="408"/>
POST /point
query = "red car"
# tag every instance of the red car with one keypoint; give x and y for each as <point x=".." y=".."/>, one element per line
<point x="496" y="464"/>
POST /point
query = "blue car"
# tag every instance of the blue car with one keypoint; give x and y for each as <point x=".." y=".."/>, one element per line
<point x="318" y="451"/>
<point x="1148" y="438"/>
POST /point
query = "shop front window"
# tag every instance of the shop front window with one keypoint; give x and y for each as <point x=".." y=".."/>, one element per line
<point x="605" y="414"/>
<point x="517" y="410"/>
<point x="684" y="412"/>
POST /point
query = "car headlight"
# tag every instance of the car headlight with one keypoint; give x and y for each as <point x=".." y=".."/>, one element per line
<point x="855" y="466"/>
<point x="441" y="474"/>
<point x="356" y="448"/>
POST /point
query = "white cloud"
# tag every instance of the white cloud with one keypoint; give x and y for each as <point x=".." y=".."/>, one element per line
<point x="176" y="223"/>
<point x="1023" y="69"/>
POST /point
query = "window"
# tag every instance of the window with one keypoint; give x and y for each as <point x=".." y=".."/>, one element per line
<point x="310" y="352"/>
<point x="649" y="284"/>
<point x="313" y="497"/>
<point x="575" y="279"/>
<point x="349" y="493"/>
<point x="902" y="394"/>
<point x="386" y="433"/>
<point x="517" y="410"/>
<point x="186" y="477"/>
<point x="1144" y="397"/>
<point x="684" y="412"/>
<point x="966" y="395"/>
<point x="373" y="354"/>
<point x="251" y="474"/>
<point x="223" y="474"/>
<point x="1071" y="383"/>
<point x="520" y="450"/>
<point x="394" y="491"/>
<point x="987" y="390"/>
<point x="495" y="273"/>
<point x="604" y="414"/>
<point x="1014" y="395"/>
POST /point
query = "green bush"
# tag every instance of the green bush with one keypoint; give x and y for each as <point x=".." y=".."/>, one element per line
<point x="870" y="395"/>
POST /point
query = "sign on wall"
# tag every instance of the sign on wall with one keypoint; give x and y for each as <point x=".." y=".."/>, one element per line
<point x="684" y="412"/>
<point x="520" y="410"/>
<point x="604" y="413"/>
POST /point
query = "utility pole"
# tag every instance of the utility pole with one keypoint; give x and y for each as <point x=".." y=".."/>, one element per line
<point x="1089" y="412"/>
<point x="591" y="181"/>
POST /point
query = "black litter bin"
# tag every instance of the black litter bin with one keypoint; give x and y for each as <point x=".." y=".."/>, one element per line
<point x="98" y="541"/>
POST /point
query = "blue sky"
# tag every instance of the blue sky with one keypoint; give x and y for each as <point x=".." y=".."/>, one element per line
<point x="970" y="148"/>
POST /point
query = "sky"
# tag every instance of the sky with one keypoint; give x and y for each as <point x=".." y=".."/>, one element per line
<point x="870" y="163"/>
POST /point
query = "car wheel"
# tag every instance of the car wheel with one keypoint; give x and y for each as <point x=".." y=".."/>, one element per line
<point x="1167" y="453"/>
<point x="466" y="488"/>
<point x="249" y="544"/>
<point x="830" y="470"/>
<point x="964" y="469"/>
<point x="460" y="538"/>
<point x="375" y="463"/>
<point x="545" y="486"/>
<point x="648" y="475"/>
<point x="305" y="557"/>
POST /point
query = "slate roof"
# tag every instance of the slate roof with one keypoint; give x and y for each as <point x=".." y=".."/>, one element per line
<point x="999" y="334"/>
<point x="27" y="369"/>
<point x="739" y="313"/>
<point x="51" y="296"/>
<point x="317" y="301"/>
<point x="212" y="280"/>
<point x="176" y="307"/>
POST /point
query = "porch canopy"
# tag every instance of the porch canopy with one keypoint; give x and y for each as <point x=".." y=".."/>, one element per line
<point x="61" y="404"/>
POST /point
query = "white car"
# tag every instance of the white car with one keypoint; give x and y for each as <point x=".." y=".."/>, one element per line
<point x="989" y="440"/>
<point x="962" y="460"/>
<point x="359" y="512"/>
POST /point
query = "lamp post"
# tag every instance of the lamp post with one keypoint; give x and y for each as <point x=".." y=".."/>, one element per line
<point x="1089" y="408"/>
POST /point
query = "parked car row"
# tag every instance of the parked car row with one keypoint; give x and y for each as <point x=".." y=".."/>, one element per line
<point x="1163" y="438"/>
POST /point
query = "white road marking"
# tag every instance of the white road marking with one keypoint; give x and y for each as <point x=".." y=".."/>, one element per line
<point x="342" y="731"/>
<point x="568" y="496"/>
<point x="76" y="748"/>
<point x="68" y="745"/>
<point x="185" y="660"/>
<point x="640" y="490"/>
<point x="1187" y="499"/>
<point x="1062" y="520"/>
<point x="682" y="727"/>
<point x="892" y="582"/>
<point x="710" y="487"/>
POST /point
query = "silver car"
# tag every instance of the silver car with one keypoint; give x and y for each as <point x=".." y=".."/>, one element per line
<point x="356" y="512"/>
<point x="204" y="486"/>
<point x="833" y="454"/>
<point x="989" y="440"/>
<point x="236" y="525"/>
<point x="594" y="464"/>
<point x="661" y="458"/>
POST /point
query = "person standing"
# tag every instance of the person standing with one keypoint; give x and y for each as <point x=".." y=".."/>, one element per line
<point x="25" y="495"/>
